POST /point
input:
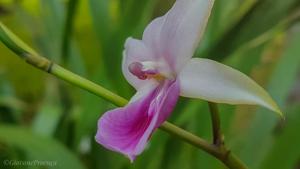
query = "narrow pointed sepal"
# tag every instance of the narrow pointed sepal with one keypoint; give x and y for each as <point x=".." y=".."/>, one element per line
<point x="215" y="82"/>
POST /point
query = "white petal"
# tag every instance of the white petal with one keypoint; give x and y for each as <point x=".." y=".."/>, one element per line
<point x="151" y="36"/>
<point x="135" y="51"/>
<point x="176" y="35"/>
<point x="213" y="81"/>
<point x="144" y="90"/>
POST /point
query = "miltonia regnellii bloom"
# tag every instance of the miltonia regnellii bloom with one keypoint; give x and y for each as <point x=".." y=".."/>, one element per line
<point x="161" y="68"/>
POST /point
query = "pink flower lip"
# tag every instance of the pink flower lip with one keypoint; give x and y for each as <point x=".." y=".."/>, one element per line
<point x="127" y="130"/>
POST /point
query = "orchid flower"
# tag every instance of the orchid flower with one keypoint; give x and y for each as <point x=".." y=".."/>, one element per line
<point x="161" y="68"/>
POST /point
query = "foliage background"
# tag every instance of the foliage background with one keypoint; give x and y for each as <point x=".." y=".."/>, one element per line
<point x="42" y="118"/>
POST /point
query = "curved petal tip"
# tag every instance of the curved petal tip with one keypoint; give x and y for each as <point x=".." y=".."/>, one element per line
<point x="209" y="80"/>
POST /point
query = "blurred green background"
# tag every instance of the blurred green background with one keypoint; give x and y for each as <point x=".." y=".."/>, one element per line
<point x="45" y="119"/>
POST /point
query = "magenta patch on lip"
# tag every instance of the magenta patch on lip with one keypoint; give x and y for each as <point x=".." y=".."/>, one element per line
<point x="136" y="68"/>
<point x="128" y="129"/>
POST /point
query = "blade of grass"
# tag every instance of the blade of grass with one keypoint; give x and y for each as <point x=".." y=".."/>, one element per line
<point x="39" y="148"/>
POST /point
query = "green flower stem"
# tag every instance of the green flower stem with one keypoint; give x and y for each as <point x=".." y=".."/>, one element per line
<point x="191" y="139"/>
<point x="31" y="57"/>
<point x="226" y="156"/>
<point x="85" y="84"/>
<point x="216" y="128"/>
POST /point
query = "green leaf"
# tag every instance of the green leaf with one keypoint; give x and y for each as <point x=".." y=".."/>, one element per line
<point x="250" y="27"/>
<point x="52" y="17"/>
<point x="285" y="144"/>
<point x="48" y="116"/>
<point x="39" y="148"/>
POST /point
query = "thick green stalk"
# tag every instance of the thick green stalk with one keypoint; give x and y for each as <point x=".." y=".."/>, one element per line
<point x="85" y="84"/>
<point x="31" y="57"/>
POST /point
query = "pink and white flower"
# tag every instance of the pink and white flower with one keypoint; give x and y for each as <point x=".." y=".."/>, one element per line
<point x="161" y="68"/>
